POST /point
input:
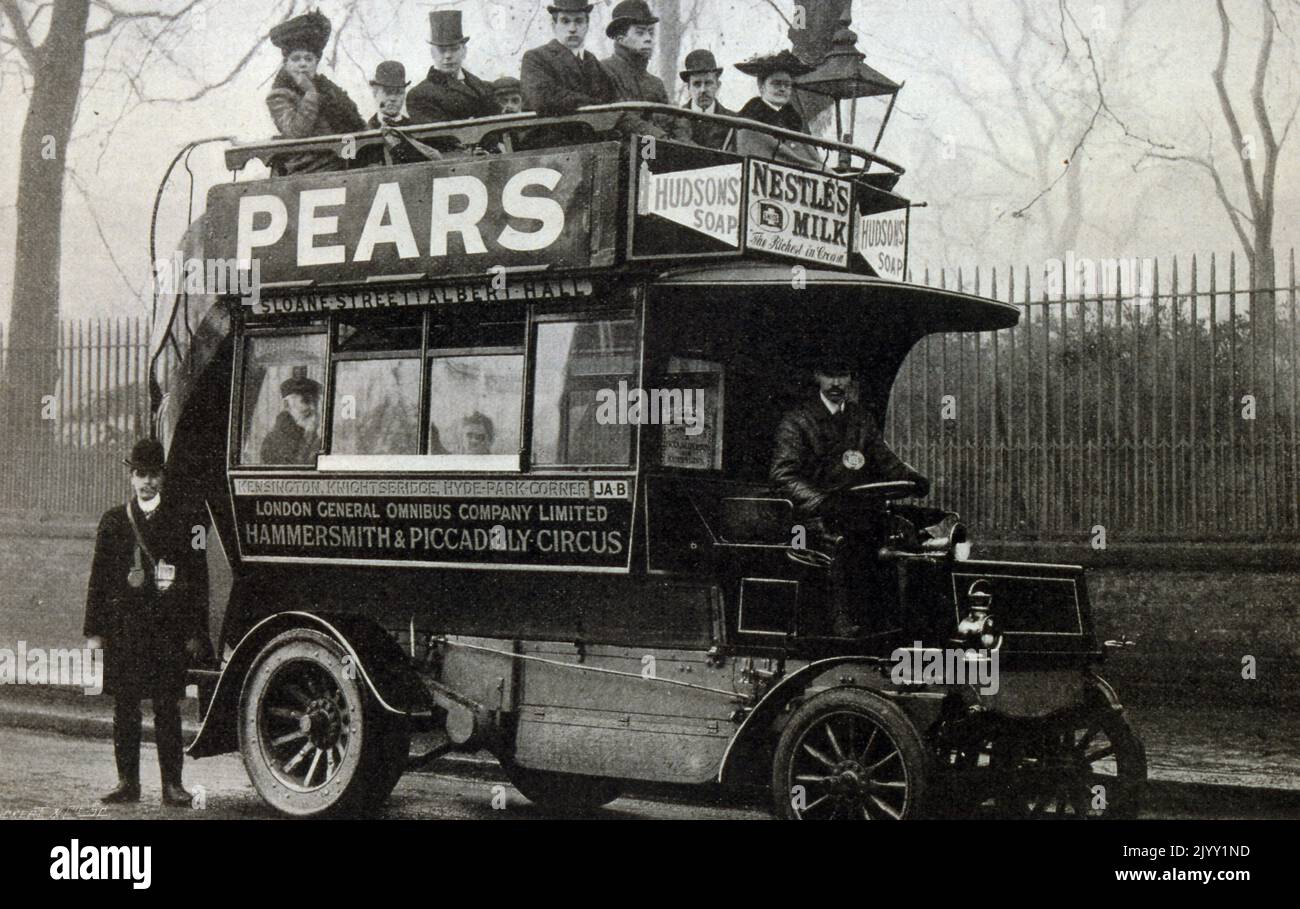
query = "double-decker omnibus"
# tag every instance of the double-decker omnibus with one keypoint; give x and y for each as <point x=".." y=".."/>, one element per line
<point x="487" y="448"/>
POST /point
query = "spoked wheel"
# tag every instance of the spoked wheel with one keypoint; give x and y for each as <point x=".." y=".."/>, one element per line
<point x="562" y="793"/>
<point x="848" y="755"/>
<point x="314" y="741"/>
<point x="1088" y="764"/>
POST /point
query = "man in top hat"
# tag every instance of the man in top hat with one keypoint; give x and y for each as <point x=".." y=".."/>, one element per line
<point x="823" y="446"/>
<point x="561" y="76"/>
<point x="449" y="92"/>
<point x="295" y="438"/>
<point x="703" y="77"/>
<point x="389" y="88"/>
<point x="304" y="103"/>
<point x="147" y="608"/>
<point x="632" y="27"/>
<point x="509" y="93"/>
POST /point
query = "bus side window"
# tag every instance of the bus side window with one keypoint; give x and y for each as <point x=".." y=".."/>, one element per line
<point x="585" y="370"/>
<point x="376" y="407"/>
<point x="474" y="403"/>
<point x="283" y="377"/>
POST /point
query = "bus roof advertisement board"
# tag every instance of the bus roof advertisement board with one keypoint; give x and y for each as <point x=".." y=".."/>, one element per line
<point x="799" y="214"/>
<point x="463" y="219"/>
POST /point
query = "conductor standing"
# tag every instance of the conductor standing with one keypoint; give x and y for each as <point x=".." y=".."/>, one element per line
<point x="147" y="607"/>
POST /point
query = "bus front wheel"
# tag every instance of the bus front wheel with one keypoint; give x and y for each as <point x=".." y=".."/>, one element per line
<point x="848" y="755"/>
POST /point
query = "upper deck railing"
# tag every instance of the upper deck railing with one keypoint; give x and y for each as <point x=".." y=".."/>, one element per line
<point x="851" y="160"/>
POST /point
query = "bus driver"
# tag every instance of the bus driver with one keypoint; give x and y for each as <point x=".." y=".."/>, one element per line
<point x="823" y="446"/>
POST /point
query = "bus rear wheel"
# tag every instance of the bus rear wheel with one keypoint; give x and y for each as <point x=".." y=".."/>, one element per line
<point x="313" y="739"/>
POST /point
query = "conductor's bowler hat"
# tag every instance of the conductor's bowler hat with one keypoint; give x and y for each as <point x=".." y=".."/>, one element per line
<point x="390" y="74"/>
<point x="146" y="456"/>
<point x="699" y="62"/>
<point x="446" y="28"/>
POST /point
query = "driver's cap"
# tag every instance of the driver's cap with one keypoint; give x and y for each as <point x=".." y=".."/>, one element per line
<point x="833" y="364"/>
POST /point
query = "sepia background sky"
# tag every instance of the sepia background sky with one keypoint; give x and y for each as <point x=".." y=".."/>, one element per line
<point x="999" y="96"/>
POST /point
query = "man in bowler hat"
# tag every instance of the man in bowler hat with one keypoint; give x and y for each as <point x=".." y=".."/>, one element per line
<point x="703" y="77"/>
<point x="632" y="27"/>
<point x="147" y="607"/>
<point x="449" y="92"/>
<point x="561" y="76"/>
<point x="389" y="88"/>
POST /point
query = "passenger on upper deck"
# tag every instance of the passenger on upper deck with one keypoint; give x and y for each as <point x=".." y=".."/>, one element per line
<point x="633" y="30"/>
<point x="560" y="77"/>
<point x="702" y="76"/>
<point x="389" y="87"/>
<point x="304" y="103"/>
<point x="774" y="107"/>
<point x="509" y="94"/>
<point x="776" y="74"/>
<point x="449" y="92"/>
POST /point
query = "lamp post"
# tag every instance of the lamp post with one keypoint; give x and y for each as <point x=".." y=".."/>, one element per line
<point x="844" y="75"/>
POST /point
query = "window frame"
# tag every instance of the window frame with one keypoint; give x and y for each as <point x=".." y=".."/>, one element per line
<point x="234" y="451"/>
<point x="621" y="313"/>
<point x="628" y="308"/>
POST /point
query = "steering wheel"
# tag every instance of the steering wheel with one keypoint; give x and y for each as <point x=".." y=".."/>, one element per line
<point x="888" y="490"/>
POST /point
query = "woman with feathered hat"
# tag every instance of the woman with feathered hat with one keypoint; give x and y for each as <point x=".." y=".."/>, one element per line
<point x="304" y="103"/>
<point x="774" y="106"/>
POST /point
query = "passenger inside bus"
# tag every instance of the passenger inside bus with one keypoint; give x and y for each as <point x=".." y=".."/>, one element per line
<point x="295" y="438"/>
<point x="477" y="434"/>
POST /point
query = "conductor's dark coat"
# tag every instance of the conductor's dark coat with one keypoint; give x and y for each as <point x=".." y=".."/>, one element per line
<point x="441" y="98"/>
<point x="145" y="630"/>
<point x="808" y="458"/>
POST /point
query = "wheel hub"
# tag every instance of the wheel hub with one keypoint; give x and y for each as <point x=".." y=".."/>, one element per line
<point x="322" y="723"/>
<point x="848" y="780"/>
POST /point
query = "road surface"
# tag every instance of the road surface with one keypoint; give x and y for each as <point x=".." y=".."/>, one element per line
<point x="48" y="774"/>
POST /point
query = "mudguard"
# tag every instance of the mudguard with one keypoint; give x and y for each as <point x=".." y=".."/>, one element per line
<point x="873" y="674"/>
<point x="382" y="665"/>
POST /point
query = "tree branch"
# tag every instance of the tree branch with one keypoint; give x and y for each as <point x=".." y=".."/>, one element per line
<point x="117" y="16"/>
<point x="22" y="35"/>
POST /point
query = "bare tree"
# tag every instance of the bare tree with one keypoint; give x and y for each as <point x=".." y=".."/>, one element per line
<point x="53" y="41"/>
<point x="1256" y="165"/>
<point x="1045" y="105"/>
